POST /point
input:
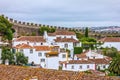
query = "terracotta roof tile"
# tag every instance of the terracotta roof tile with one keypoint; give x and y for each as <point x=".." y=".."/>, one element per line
<point x="23" y="46"/>
<point x="100" y="61"/>
<point x="42" y="48"/>
<point x="51" y="34"/>
<point x="82" y="55"/>
<point x="110" y="39"/>
<point x="31" y="39"/>
<point x="62" y="32"/>
<point x="27" y="73"/>
<point x="65" y="40"/>
<point x="80" y="62"/>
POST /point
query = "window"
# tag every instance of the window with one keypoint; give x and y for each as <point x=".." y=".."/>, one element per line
<point x="31" y="50"/>
<point x="39" y="54"/>
<point x="104" y="66"/>
<point x="88" y="66"/>
<point x="41" y="43"/>
<point x="44" y="54"/>
<point x="63" y="56"/>
<point x="21" y="50"/>
<point x="51" y="43"/>
<point x="66" y="45"/>
<point x="28" y="43"/>
<point x="80" y="67"/>
<point x="72" y="67"/>
<point x="42" y="60"/>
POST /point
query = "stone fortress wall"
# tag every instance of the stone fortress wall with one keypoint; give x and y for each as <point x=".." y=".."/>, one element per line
<point x="27" y="27"/>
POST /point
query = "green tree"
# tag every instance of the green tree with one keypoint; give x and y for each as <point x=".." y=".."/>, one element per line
<point x="88" y="42"/>
<point x="111" y="52"/>
<point x="78" y="50"/>
<point x="6" y="30"/>
<point x="86" y="32"/>
<point x="7" y="54"/>
<point x="49" y="30"/>
<point x="115" y="65"/>
<point x="21" y="59"/>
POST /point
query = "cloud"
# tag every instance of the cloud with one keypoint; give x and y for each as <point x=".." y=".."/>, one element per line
<point x="64" y="12"/>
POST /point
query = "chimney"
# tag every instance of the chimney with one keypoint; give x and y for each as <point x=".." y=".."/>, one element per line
<point x="45" y="35"/>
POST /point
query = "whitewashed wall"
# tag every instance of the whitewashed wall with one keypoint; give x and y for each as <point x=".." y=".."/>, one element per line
<point x="30" y="43"/>
<point x="77" y="67"/>
<point x="52" y="62"/>
<point x="112" y="44"/>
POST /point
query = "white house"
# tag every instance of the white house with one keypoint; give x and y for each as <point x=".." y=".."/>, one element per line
<point x="45" y="56"/>
<point x="78" y="65"/>
<point x="64" y="39"/>
<point x="84" y="65"/>
<point x="30" y="40"/>
<point x="49" y="49"/>
<point x="89" y="54"/>
<point x="101" y="62"/>
<point x="111" y="42"/>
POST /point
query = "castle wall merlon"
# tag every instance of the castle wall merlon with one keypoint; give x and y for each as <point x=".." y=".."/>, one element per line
<point x="31" y="24"/>
<point x="11" y="20"/>
<point x="23" y="23"/>
<point x="28" y="23"/>
<point x="43" y="25"/>
<point x="15" y="21"/>
<point x="19" y="22"/>
<point x="48" y="26"/>
<point x="40" y="25"/>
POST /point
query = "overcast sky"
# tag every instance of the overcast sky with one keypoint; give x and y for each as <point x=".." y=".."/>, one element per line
<point x="66" y="13"/>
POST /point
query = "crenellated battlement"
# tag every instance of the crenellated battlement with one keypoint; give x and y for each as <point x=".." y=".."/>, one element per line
<point x="28" y="26"/>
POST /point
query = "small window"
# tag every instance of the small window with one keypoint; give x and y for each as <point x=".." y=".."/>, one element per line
<point x="51" y="43"/>
<point x="80" y="67"/>
<point x="31" y="50"/>
<point x="44" y="54"/>
<point x="72" y="67"/>
<point x="28" y="43"/>
<point x="42" y="60"/>
<point x="41" y="43"/>
<point x="63" y="56"/>
<point x="66" y="45"/>
<point x="88" y="66"/>
<point x="104" y="66"/>
<point x="21" y="50"/>
<point x="39" y="54"/>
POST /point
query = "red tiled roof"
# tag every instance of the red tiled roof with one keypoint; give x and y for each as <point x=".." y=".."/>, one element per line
<point x="100" y="61"/>
<point x="110" y="39"/>
<point x="26" y="73"/>
<point x="62" y="32"/>
<point x="80" y="62"/>
<point x="23" y="46"/>
<point x="42" y="48"/>
<point x="65" y="40"/>
<point x="51" y="34"/>
<point x="82" y="55"/>
<point x="31" y="39"/>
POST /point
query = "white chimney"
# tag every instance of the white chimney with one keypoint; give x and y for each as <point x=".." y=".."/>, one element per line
<point x="45" y="35"/>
